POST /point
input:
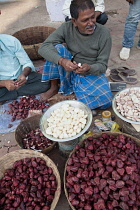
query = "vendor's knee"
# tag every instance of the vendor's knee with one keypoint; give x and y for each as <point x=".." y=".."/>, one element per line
<point x="7" y="95"/>
<point x="63" y="51"/>
<point x="102" y="19"/>
<point x="3" y="91"/>
<point x="60" y="47"/>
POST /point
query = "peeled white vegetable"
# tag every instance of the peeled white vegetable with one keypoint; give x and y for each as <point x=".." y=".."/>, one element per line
<point x="79" y="64"/>
<point x="66" y="121"/>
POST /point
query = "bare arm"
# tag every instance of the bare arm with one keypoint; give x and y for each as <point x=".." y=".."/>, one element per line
<point x="26" y="71"/>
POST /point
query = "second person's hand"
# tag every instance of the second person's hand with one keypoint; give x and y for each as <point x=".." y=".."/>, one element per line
<point x="10" y="85"/>
<point x="20" y="81"/>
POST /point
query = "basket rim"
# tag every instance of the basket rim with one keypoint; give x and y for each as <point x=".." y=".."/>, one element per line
<point x="32" y="37"/>
<point x="28" y="153"/>
<point x="95" y="135"/>
<point x="46" y="149"/>
<point x="26" y="46"/>
<point x="33" y="27"/>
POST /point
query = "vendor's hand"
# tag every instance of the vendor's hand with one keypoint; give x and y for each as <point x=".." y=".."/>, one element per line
<point x="68" y="65"/>
<point x="130" y="1"/>
<point x="20" y="81"/>
<point x="81" y="69"/>
<point x="10" y="85"/>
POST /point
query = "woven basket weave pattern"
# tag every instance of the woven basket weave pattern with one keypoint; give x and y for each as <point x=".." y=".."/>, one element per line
<point x="8" y="160"/>
<point x="128" y="128"/>
<point x="25" y="127"/>
<point x="31" y="38"/>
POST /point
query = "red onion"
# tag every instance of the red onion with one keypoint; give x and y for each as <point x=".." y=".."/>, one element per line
<point x="27" y="192"/>
<point x="108" y="175"/>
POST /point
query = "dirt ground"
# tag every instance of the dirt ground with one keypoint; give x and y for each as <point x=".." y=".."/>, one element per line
<point x="20" y="14"/>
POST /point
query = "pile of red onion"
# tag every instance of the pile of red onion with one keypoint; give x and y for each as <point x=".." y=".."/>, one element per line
<point x="104" y="174"/>
<point x="20" y="109"/>
<point x="29" y="184"/>
<point x="36" y="140"/>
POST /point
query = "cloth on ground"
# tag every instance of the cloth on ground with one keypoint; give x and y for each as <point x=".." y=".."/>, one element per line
<point x="6" y="118"/>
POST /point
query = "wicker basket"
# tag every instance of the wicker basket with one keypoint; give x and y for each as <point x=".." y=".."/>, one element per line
<point x="128" y="128"/>
<point x="25" y="127"/>
<point x="31" y="38"/>
<point x="7" y="161"/>
<point x="96" y="135"/>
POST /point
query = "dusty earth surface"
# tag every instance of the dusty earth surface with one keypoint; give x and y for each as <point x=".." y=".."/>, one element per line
<point x="17" y="15"/>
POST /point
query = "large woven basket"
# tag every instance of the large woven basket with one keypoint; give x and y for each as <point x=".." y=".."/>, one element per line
<point x="128" y="128"/>
<point x="26" y="126"/>
<point x="31" y="38"/>
<point x="6" y="162"/>
<point x="96" y="135"/>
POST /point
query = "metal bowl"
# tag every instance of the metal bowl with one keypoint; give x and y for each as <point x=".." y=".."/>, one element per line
<point x="114" y="106"/>
<point x="74" y="103"/>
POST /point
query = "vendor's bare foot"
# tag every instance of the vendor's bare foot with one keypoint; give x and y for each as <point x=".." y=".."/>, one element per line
<point x="51" y="92"/>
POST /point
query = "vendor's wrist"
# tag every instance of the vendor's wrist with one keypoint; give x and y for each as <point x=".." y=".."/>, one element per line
<point x="26" y="76"/>
<point x="60" y="61"/>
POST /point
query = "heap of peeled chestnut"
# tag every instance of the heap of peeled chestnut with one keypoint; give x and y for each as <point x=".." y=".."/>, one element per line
<point x="104" y="174"/>
<point x="29" y="184"/>
<point x="20" y="109"/>
<point x="35" y="140"/>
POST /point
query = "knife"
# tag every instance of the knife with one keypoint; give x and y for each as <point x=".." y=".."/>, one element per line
<point x="72" y="59"/>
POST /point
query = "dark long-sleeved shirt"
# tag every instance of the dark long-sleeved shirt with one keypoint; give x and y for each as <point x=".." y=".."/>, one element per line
<point x="94" y="48"/>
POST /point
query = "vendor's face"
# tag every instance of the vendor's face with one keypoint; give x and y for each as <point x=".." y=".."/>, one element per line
<point x="85" y="21"/>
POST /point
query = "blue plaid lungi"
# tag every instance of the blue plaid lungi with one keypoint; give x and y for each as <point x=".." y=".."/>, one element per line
<point x="92" y="90"/>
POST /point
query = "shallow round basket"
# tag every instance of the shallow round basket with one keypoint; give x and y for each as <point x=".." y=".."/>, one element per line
<point x="31" y="38"/>
<point x="96" y="135"/>
<point x="7" y="161"/>
<point x="73" y="103"/>
<point x="25" y="127"/>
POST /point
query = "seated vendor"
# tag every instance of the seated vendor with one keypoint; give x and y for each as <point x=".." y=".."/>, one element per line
<point x="17" y="72"/>
<point x="83" y="73"/>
